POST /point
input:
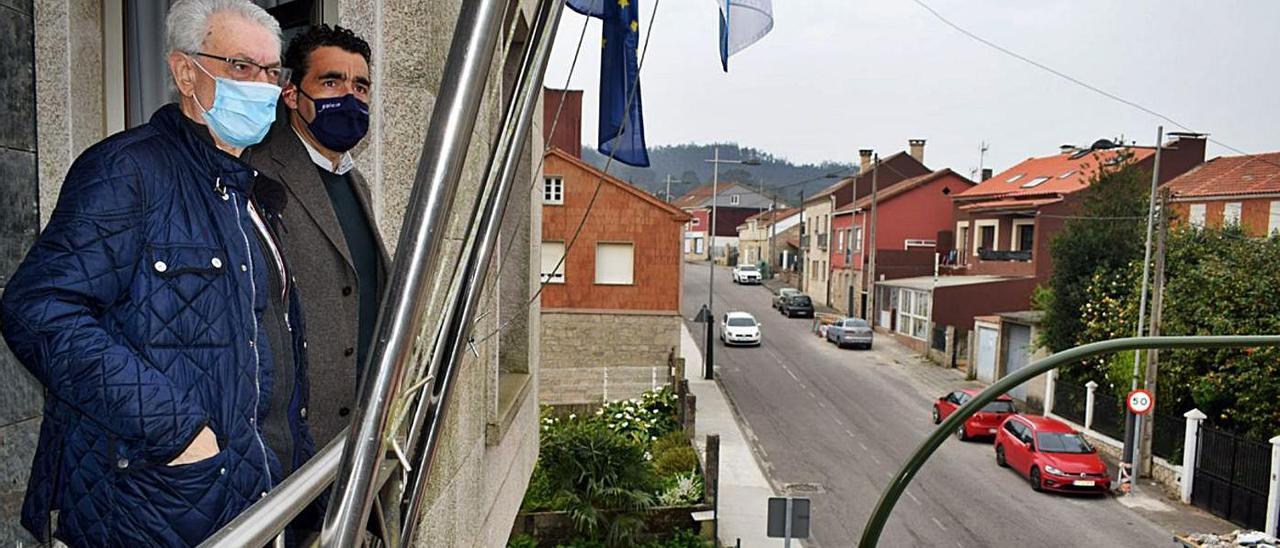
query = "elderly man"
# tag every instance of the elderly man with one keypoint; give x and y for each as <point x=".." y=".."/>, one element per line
<point x="153" y="309"/>
<point x="332" y="242"/>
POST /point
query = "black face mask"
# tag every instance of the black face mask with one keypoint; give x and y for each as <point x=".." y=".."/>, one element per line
<point x="340" y="122"/>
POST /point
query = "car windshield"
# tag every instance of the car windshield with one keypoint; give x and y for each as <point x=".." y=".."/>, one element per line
<point x="857" y="322"/>
<point x="999" y="406"/>
<point x="741" y="322"/>
<point x="800" y="299"/>
<point x="747" y="268"/>
<point x="1057" y="442"/>
<point x="788" y="291"/>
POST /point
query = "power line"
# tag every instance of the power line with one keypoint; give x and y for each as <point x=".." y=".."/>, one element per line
<point x="1076" y="81"/>
<point x="631" y="94"/>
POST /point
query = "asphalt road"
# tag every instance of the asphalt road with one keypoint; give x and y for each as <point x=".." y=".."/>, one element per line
<point x="839" y="424"/>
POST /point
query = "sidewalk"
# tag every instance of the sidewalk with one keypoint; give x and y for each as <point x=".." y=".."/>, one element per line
<point x="744" y="489"/>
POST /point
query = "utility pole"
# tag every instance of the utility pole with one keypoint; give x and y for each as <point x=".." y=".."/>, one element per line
<point x="668" y="197"/>
<point x="1133" y="423"/>
<point x="1157" y="313"/>
<point x="773" y="228"/>
<point x="854" y="289"/>
<point x="871" y="268"/>
<point x="709" y="368"/>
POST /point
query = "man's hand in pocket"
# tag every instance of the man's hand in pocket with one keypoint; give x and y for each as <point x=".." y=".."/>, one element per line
<point x="203" y="447"/>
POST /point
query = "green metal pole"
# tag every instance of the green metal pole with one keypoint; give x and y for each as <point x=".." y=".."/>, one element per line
<point x="880" y="516"/>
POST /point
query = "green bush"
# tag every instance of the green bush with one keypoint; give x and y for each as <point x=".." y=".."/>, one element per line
<point x="682" y="490"/>
<point x="676" y="460"/>
<point x="643" y="419"/>
<point x="522" y="540"/>
<point x="668" y="441"/>
<point x="602" y="477"/>
<point x="683" y="538"/>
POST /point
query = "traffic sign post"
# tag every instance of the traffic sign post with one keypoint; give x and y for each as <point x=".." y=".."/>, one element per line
<point x="1140" y="402"/>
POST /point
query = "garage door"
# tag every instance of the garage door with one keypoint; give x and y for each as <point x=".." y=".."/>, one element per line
<point x="1018" y="356"/>
<point x="987" y="354"/>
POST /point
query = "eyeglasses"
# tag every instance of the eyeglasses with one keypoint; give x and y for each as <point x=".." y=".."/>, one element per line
<point x="245" y="70"/>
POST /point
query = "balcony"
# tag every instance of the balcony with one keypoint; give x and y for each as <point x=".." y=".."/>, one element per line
<point x="822" y="241"/>
<point x="804" y="241"/>
<point x="1004" y="256"/>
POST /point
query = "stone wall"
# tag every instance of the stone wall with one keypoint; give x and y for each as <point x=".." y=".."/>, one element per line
<point x="586" y="355"/>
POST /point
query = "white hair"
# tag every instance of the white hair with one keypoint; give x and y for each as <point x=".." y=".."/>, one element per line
<point x="188" y="21"/>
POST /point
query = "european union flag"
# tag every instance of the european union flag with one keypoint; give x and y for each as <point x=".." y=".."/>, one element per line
<point x="621" y="120"/>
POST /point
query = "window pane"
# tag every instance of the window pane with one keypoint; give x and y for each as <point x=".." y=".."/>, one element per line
<point x="1231" y="213"/>
<point x="1197" y="215"/>
<point x="551" y="254"/>
<point x="1273" y="224"/>
<point x="614" y="264"/>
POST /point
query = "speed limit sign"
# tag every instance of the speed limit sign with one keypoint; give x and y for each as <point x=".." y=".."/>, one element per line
<point x="1140" y="402"/>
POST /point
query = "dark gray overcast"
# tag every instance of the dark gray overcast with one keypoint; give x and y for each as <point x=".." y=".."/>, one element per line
<point x="835" y="76"/>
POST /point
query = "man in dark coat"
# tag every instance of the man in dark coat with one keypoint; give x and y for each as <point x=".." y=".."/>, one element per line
<point x="332" y="242"/>
<point x="157" y="312"/>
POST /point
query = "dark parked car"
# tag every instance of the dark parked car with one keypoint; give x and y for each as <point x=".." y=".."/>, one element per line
<point x="782" y="293"/>
<point x="797" y="305"/>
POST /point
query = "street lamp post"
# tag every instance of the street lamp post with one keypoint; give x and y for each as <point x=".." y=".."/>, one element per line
<point x="708" y="366"/>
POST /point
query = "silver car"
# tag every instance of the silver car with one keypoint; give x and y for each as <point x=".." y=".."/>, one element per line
<point x="851" y="332"/>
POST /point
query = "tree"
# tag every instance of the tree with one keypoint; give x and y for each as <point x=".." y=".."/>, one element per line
<point x="1217" y="282"/>
<point x="1107" y="236"/>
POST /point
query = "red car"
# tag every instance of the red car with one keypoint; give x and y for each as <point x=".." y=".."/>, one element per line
<point x="982" y="423"/>
<point x="1051" y="454"/>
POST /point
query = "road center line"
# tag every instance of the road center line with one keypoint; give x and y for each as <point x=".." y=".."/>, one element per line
<point x="793" y="375"/>
<point x="913" y="497"/>
<point x="938" y="523"/>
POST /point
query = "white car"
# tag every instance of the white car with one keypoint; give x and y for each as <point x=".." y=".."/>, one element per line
<point x="746" y="274"/>
<point x="739" y="328"/>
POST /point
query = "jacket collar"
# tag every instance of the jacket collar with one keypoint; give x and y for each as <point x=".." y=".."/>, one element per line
<point x="194" y="139"/>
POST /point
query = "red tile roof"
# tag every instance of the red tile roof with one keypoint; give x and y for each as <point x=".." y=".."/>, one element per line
<point x="695" y="197"/>
<point x="902" y="188"/>
<point x="1005" y="205"/>
<point x="1230" y="176"/>
<point x="835" y="187"/>
<point x="1053" y="175"/>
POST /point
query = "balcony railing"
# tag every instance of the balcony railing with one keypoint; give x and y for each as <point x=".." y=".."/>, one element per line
<point x="804" y="241"/>
<point x="822" y="241"/>
<point x="993" y="255"/>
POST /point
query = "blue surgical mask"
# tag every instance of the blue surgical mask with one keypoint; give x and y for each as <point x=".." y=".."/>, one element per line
<point x="242" y="112"/>
<point x="340" y="122"/>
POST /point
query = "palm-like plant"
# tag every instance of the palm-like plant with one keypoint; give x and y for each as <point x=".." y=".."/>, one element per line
<point x="603" y="477"/>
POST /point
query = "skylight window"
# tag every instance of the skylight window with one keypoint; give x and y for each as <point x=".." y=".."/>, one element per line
<point x="1067" y="174"/>
<point x="1035" y="182"/>
<point x="1014" y="178"/>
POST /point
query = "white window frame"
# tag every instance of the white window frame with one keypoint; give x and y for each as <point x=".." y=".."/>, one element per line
<point x="695" y="222"/>
<point x="1273" y="218"/>
<point x="978" y="225"/>
<point x="553" y="190"/>
<point x="1196" y="214"/>
<point x="909" y="300"/>
<point x="630" y="278"/>
<point x="840" y="245"/>
<point x="962" y="242"/>
<point x="857" y="238"/>
<point x="1015" y="243"/>
<point x="549" y="263"/>
<point x="1232" y="212"/>
<point x="735" y="199"/>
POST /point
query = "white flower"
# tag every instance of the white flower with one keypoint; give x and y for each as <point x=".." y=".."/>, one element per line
<point x="572" y="416"/>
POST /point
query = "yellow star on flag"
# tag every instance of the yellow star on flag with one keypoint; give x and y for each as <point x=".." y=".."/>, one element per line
<point x="624" y="3"/>
<point x="635" y="25"/>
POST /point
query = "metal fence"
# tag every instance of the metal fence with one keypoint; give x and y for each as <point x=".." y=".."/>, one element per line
<point x="1069" y="401"/>
<point x="1108" y="415"/>
<point x="1168" y="433"/>
<point x="1232" y="477"/>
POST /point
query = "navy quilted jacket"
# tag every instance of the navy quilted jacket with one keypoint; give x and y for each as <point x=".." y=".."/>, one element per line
<point x="140" y="310"/>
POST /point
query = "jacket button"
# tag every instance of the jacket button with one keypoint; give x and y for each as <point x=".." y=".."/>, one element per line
<point x="346" y="291"/>
<point x="344" y="412"/>
<point x="216" y="262"/>
<point x="122" y="464"/>
<point x="161" y="267"/>
<point x="302" y="412"/>
<point x="349" y="351"/>
<point x="244" y="268"/>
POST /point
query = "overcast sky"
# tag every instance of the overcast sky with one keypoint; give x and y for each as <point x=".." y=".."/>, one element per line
<point x="835" y="76"/>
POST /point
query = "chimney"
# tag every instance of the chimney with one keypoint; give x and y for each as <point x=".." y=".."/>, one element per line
<point x="917" y="149"/>
<point x="865" y="155"/>
<point x="986" y="173"/>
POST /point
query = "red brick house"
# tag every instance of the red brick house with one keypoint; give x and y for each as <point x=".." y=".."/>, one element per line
<point x="909" y="216"/>
<point x="621" y="277"/>
<point x="816" y="246"/>
<point x="999" y="251"/>
<point x="1243" y="190"/>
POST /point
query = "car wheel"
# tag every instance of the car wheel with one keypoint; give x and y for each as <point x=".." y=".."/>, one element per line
<point x="1036" y="484"/>
<point x="961" y="434"/>
<point x="1000" y="460"/>
<point x="937" y="417"/>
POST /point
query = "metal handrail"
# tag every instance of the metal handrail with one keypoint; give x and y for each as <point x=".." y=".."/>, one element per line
<point x="875" y="523"/>
<point x="456" y="330"/>
<point x="418" y="258"/>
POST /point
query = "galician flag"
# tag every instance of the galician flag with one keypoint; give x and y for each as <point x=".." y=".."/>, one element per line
<point x="742" y="23"/>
